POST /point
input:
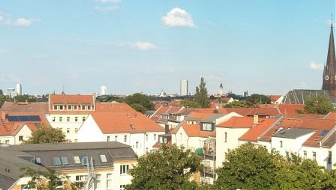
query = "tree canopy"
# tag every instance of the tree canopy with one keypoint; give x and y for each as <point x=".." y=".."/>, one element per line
<point x="318" y="105"/>
<point x="258" y="99"/>
<point x="139" y="102"/>
<point x="170" y="168"/>
<point x="201" y="96"/>
<point x="253" y="167"/>
<point x="46" y="135"/>
<point x="190" y="104"/>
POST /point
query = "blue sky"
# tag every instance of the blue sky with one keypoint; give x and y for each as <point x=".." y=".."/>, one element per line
<point x="264" y="46"/>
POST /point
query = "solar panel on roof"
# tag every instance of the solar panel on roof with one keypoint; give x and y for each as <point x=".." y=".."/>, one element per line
<point x="24" y="118"/>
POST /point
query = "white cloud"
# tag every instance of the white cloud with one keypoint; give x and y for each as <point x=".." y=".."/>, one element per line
<point x="143" y="46"/>
<point x="23" y="22"/>
<point x="178" y="17"/>
<point x="315" y="66"/>
<point x="329" y="22"/>
<point x="7" y="20"/>
<point x="106" y="9"/>
<point x="109" y="1"/>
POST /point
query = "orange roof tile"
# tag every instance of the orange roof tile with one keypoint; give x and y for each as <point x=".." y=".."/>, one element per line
<point x="254" y="133"/>
<point x="237" y="122"/>
<point x="290" y="108"/>
<point x="125" y="122"/>
<point x="194" y="130"/>
<point x="71" y="99"/>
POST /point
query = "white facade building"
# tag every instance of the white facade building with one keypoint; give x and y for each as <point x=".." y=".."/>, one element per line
<point x="184" y="87"/>
<point x="103" y="90"/>
<point x="18" y="89"/>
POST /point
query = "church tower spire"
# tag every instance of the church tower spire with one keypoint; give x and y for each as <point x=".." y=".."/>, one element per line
<point x="329" y="72"/>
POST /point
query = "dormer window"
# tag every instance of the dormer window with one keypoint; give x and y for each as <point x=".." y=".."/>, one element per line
<point x="61" y="107"/>
<point x="69" y="107"/>
<point x="55" y="107"/>
<point x="207" y="126"/>
<point x="83" y="107"/>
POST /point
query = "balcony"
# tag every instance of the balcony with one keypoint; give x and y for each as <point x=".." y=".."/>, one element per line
<point x="206" y="153"/>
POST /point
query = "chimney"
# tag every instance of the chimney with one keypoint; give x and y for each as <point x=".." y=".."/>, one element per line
<point x="255" y="120"/>
<point x="166" y="129"/>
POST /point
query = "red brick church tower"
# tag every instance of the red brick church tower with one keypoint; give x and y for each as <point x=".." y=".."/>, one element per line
<point x="329" y="72"/>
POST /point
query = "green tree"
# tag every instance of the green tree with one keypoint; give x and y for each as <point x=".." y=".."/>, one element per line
<point x="23" y="98"/>
<point x="139" y="102"/>
<point x="201" y="96"/>
<point x="241" y="104"/>
<point x="247" y="167"/>
<point x="46" y="135"/>
<point x="190" y="104"/>
<point x="318" y="105"/>
<point x="1" y="92"/>
<point x="170" y="168"/>
<point x="47" y="179"/>
<point x="258" y="99"/>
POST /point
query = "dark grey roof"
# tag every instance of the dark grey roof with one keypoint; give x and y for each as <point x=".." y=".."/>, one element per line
<point x="292" y="133"/>
<point x="330" y="141"/>
<point x="6" y="182"/>
<point x="213" y="118"/>
<point x="299" y="96"/>
<point x="69" y="146"/>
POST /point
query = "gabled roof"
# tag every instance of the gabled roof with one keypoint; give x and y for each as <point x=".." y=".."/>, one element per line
<point x="71" y="99"/>
<point x="125" y="122"/>
<point x="194" y="130"/>
<point x="24" y="107"/>
<point x="237" y="122"/>
<point x="256" y="131"/>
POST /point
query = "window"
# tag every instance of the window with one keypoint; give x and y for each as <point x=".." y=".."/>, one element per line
<point x="81" y="178"/>
<point x="225" y="137"/>
<point x="109" y="181"/>
<point x="116" y="138"/>
<point x="206" y="126"/>
<point x="122" y="187"/>
<point x="154" y="137"/>
<point x="68" y="119"/>
<point x="64" y="160"/>
<point x="77" y="160"/>
<point x="103" y="158"/>
<point x="88" y="107"/>
<point x="68" y="130"/>
<point x="124" y="169"/>
<point x="137" y="144"/>
<point x="83" y="107"/>
<point x="38" y="160"/>
<point x="61" y="107"/>
<point x="146" y="137"/>
<point x="329" y="157"/>
<point x="56" y="161"/>
<point x="20" y="138"/>
<point x="314" y="155"/>
<point x="280" y="144"/>
<point x="75" y="107"/>
<point x="84" y="160"/>
<point x="55" y="107"/>
<point x="98" y="181"/>
<point x="76" y="119"/>
<point x="305" y="154"/>
<point x="69" y="107"/>
<point x="6" y="141"/>
<point x="108" y="138"/>
<point x="83" y="118"/>
<point x="60" y="119"/>
<point x="76" y="140"/>
<point x="54" y="119"/>
<point x="125" y="138"/>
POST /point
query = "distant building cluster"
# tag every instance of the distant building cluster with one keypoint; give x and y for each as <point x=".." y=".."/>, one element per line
<point x="12" y="92"/>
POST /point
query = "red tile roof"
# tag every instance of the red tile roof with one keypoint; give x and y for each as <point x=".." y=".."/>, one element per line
<point x="290" y="108"/>
<point x="237" y="122"/>
<point x="194" y="130"/>
<point x="11" y="129"/>
<point x="254" y="133"/>
<point x="71" y="99"/>
<point x="125" y="122"/>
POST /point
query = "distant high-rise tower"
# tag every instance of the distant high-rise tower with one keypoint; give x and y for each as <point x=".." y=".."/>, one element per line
<point x="103" y="90"/>
<point x="184" y="87"/>
<point x="221" y="90"/>
<point x="18" y="89"/>
<point x="329" y="72"/>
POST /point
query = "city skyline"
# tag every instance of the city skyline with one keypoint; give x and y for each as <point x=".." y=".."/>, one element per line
<point x="259" y="46"/>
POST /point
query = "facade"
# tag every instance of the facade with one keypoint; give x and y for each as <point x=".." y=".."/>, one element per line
<point x="184" y="87"/>
<point x="103" y="90"/>
<point x="18" y="89"/>
<point x="109" y="161"/>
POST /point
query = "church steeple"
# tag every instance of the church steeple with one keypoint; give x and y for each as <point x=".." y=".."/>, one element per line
<point x="329" y="72"/>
